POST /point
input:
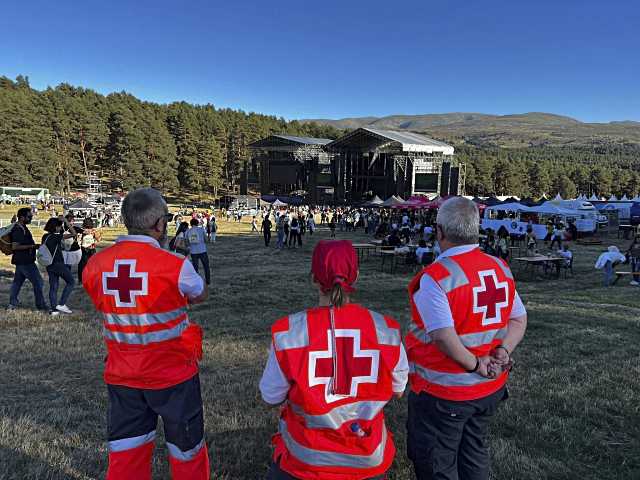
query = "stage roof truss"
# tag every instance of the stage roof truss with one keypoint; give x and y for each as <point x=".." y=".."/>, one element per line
<point x="364" y="139"/>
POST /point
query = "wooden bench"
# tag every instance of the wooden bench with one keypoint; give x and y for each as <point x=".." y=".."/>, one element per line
<point x="619" y="275"/>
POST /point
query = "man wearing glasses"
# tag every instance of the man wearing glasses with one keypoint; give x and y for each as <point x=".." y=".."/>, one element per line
<point x="24" y="258"/>
<point x="142" y="292"/>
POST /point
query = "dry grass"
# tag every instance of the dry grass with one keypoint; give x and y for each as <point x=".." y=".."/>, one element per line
<point x="573" y="411"/>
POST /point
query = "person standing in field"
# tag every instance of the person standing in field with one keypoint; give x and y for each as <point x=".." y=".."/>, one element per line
<point x="57" y="270"/>
<point x="24" y="259"/>
<point x="266" y="229"/>
<point x="467" y="320"/>
<point x="333" y="368"/>
<point x="198" y="249"/>
<point x="88" y="241"/>
<point x="151" y="370"/>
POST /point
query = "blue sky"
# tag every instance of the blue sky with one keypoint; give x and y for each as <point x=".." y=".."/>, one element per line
<point x="335" y="59"/>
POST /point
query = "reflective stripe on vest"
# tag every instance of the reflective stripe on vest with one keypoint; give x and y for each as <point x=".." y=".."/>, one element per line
<point x="469" y="340"/>
<point x="178" y="454"/>
<point x="456" y="278"/>
<point x="365" y="410"/>
<point x="386" y="335"/>
<point x="505" y="270"/>
<point x="132" y="442"/>
<point x="318" y="458"/>
<point x="447" y="379"/>
<point x="143" y="319"/>
<point x="146" y="338"/>
<point x="296" y="337"/>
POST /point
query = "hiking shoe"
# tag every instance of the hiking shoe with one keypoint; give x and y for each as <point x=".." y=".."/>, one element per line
<point x="634" y="283"/>
<point x="63" y="309"/>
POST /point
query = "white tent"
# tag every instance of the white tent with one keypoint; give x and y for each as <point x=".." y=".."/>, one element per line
<point x="392" y="201"/>
<point x="637" y="199"/>
<point x="279" y="203"/>
<point x="510" y="207"/>
<point x="594" y="198"/>
<point x="558" y="198"/>
<point x="624" y="198"/>
<point x="613" y="198"/>
<point x="376" y="201"/>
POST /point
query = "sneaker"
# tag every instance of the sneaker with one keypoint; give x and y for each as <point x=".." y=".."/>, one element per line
<point x="634" y="283"/>
<point x="53" y="313"/>
<point x="11" y="307"/>
<point x="63" y="309"/>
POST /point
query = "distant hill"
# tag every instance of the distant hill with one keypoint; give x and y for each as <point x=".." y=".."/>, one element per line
<point x="517" y="130"/>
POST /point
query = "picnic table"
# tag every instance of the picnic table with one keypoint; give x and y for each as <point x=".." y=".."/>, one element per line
<point x="391" y="255"/>
<point x="541" y="261"/>
<point x="364" y="248"/>
<point x="634" y="276"/>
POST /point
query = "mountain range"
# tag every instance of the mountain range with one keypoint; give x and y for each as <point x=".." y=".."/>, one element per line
<point x="518" y="130"/>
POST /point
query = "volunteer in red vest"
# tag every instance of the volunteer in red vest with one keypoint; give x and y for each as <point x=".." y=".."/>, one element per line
<point x="334" y="367"/>
<point x="467" y="320"/>
<point x="142" y="292"/>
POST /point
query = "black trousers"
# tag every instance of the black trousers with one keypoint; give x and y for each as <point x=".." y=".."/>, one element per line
<point x="133" y="412"/>
<point x="276" y="473"/>
<point x="267" y="237"/>
<point x="447" y="440"/>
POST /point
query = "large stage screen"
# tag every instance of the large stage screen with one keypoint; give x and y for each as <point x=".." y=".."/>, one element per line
<point x="426" y="182"/>
<point x="283" y="174"/>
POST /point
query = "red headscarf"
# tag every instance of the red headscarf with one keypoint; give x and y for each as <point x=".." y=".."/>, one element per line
<point x="335" y="262"/>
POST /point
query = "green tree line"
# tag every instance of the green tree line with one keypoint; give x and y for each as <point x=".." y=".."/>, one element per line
<point x="53" y="138"/>
<point x="601" y="169"/>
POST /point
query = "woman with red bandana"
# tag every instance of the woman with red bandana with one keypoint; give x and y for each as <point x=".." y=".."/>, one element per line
<point x="333" y="368"/>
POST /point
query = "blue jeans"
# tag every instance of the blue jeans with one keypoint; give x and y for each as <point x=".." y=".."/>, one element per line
<point x="56" y="272"/>
<point x="204" y="258"/>
<point x="280" y="243"/>
<point x="608" y="274"/>
<point x="27" y="272"/>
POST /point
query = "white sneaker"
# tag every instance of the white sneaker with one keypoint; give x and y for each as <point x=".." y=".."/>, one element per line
<point x="634" y="283"/>
<point x="63" y="309"/>
<point x="54" y="313"/>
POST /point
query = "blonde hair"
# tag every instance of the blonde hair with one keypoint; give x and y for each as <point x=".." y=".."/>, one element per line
<point x="337" y="296"/>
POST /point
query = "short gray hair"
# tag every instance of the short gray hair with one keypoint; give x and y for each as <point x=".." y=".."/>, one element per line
<point x="459" y="220"/>
<point x="142" y="208"/>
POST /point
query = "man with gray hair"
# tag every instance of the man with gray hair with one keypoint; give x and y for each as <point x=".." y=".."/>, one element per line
<point x="467" y="319"/>
<point x="142" y="292"/>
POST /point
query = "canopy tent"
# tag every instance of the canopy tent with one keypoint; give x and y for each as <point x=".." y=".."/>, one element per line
<point x="558" y="198"/>
<point x="392" y="201"/>
<point x="637" y="199"/>
<point x="279" y="203"/>
<point x="613" y="198"/>
<point x="376" y="201"/>
<point x="511" y="207"/>
<point x="624" y="198"/>
<point x="594" y="198"/>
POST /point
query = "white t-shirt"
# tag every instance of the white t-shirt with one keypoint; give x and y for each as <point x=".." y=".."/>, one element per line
<point x="433" y="305"/>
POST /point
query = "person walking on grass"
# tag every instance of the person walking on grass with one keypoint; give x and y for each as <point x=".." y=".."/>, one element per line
<point x="24" y="259"/>
<point x="198" y="248"/>
<point x="143" y="291"/>
<point x="254" y="225"/>
<point x="333" y="368"/>
<point x="266" y="229"/>
<point x="57" y="270"/>
<point x="467" y="320"/>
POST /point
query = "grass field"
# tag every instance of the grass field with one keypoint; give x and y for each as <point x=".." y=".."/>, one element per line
<point x="575" y="393"/>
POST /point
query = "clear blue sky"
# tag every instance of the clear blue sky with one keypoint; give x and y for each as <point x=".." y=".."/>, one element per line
<point x="338" y="58"/>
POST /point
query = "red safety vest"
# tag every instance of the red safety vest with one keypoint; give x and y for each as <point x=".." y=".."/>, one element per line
<point x="150" y="342"/>
<point x="336" y="433"/>
<point x="480" y="289"/>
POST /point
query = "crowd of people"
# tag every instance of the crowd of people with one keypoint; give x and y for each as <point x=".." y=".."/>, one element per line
<point x="332" y="367"/>
<point x="66" y="244"/>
